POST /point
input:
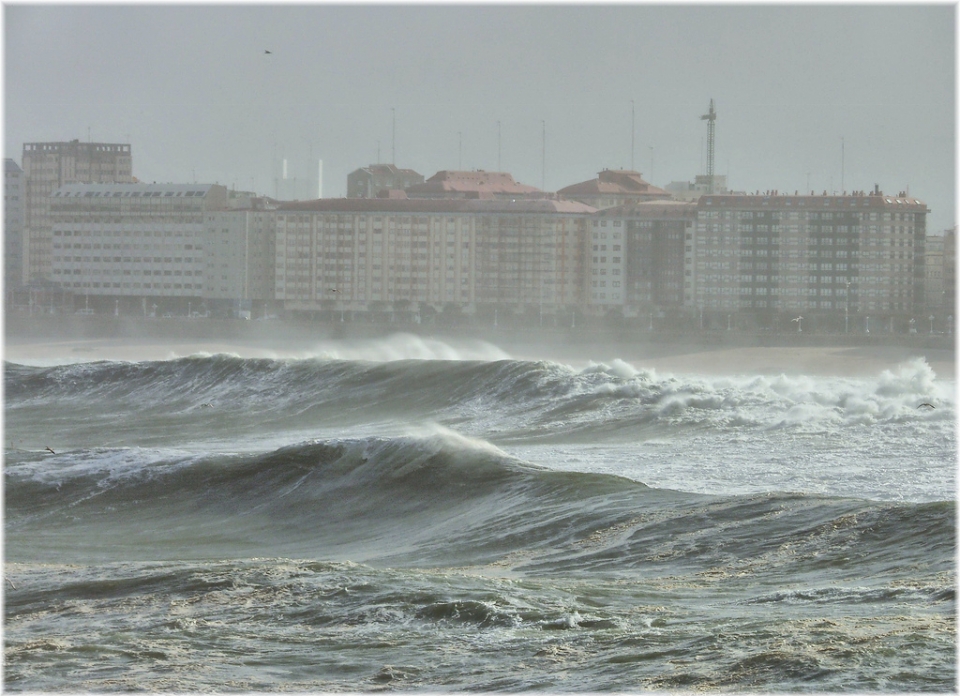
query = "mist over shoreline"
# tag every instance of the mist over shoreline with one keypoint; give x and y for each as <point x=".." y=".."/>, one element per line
<point x="81" y="339"/>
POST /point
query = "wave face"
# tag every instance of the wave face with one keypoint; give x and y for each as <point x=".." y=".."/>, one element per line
<point x="325" y="525"/>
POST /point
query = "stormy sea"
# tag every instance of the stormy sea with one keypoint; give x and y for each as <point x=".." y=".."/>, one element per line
<point x="475" y="523"/>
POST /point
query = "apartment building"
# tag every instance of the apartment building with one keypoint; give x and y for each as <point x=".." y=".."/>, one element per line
<point x="13" y="187"/>
<point x="47" y="167"/>
<point x="140" y="241"/>
<point x="473" y="255"/>
<point x="933" y="272"/>
<point x="239" y="248"/>
<point x="636" y="259"/>
<point x="860" y="253"/>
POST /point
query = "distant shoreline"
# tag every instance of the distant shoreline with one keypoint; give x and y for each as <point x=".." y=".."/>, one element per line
<point x="709" y="352"/>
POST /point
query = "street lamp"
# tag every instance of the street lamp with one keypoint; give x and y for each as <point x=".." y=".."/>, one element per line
<point x="931" y="324"/>
<point x="846" y="311"/>
<point x="799" y="321"/>
<point x="867" y="330"/>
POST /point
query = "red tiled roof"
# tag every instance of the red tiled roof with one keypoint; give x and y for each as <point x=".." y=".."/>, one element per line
<point x="447" y="181"/>
<point x="444" y="206"/>
<point x="623" y="182"/>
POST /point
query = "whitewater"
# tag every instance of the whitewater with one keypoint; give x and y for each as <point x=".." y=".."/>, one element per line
<point x="413" y="515"/>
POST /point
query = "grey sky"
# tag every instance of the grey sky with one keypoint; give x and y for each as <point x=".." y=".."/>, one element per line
<point x="192" y="90"/>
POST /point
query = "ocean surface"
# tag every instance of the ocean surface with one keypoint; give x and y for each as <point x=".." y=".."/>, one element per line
<point x="467" y="521"/>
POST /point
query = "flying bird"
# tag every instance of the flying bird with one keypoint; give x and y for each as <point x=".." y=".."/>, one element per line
<point x="927" y="405"/>
<point x="269" y="53"/>
<point x="50" y="451"/>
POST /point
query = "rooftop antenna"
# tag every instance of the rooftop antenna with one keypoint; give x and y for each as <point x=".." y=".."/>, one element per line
<point x="543" y="163"/>
<point x="498" y="146"/>
<point x="378" y="152"/>
<point x="633" y="133"/>
<point x="710" y="117"/>
<point x="460" y="151"/>
<point x="393" y="154"/>
<point x="841" y="164"/>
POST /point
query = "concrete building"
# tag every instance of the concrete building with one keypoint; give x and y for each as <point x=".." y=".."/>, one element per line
<point x="950" y="273"/>
<point x="637" y="255"/>
<point x="473" y="185"/>
<point x="370" y="181"/>
<point x="856" y="255"/>
<point x="614" y="187"/>
<point x="239" y="257"/>
<point x="47" y="167"/>
<point x="469" y="256"/>
<point x="139" y="243"/>
<point x="933" y="272"/>
<point x="13" y="188"/>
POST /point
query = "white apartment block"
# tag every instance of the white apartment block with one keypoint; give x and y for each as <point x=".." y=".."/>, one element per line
<point x="131" y="240"/>
<point x="47" y="167"/>
<point x="357" y="254"/>
<point x="862" y="252"/>
<point x="239" y="255"/>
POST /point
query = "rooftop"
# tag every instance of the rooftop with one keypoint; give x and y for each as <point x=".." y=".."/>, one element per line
<point x="447" y="181"/>
<point x="615" y="182"/>
<point x="443" y="206"/>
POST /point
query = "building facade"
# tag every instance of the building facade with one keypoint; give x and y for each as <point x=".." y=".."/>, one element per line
<point x="47" y="167"/>
<point x="140" y="242"/>
<point x="856" y="254"/>
<point x="13" y="187"/>
<point x="462" y="255"/>
<point x="637" y="256"/>
<point x="239" y="247"/>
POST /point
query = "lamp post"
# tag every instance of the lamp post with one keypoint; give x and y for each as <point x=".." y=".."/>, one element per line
<point x="867" y="330"/>
<point x="931" y="324"/>
<point x="799" y="321"/>
<point x="846" y="312"/>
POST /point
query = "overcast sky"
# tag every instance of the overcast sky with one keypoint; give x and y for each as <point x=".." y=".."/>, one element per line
<point x="856" y="95"/>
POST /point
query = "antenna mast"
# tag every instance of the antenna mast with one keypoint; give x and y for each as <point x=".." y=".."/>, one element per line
<point x="710" y="117"/>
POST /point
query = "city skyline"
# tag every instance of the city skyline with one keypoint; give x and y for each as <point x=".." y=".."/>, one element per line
<point x="849" y="98"/>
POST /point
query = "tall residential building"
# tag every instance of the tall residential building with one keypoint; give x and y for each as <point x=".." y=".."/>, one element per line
<point x="475" y="255"/>
<point x="134" y="241"/>
<point x="933" y="291"/>
<point x="239" y="256"/>
<point x="370" y="181"/>
<point x="614" y="187"/>
<point x="950" y="271"/>
<point x="47" y="167"/>
<point x="852" y="254"/>
<point x="635" y="259"/>
<point x="13" y="185"/>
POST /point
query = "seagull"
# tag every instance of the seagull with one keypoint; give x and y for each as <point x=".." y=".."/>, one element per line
<point x="269" y="53"/>
<point x="334" y="290"/>
<point x="927" y="405"/>
<point x="50" y="451"/>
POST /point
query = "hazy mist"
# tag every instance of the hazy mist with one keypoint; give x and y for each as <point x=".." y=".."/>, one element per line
<point x="192" y="89"/>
